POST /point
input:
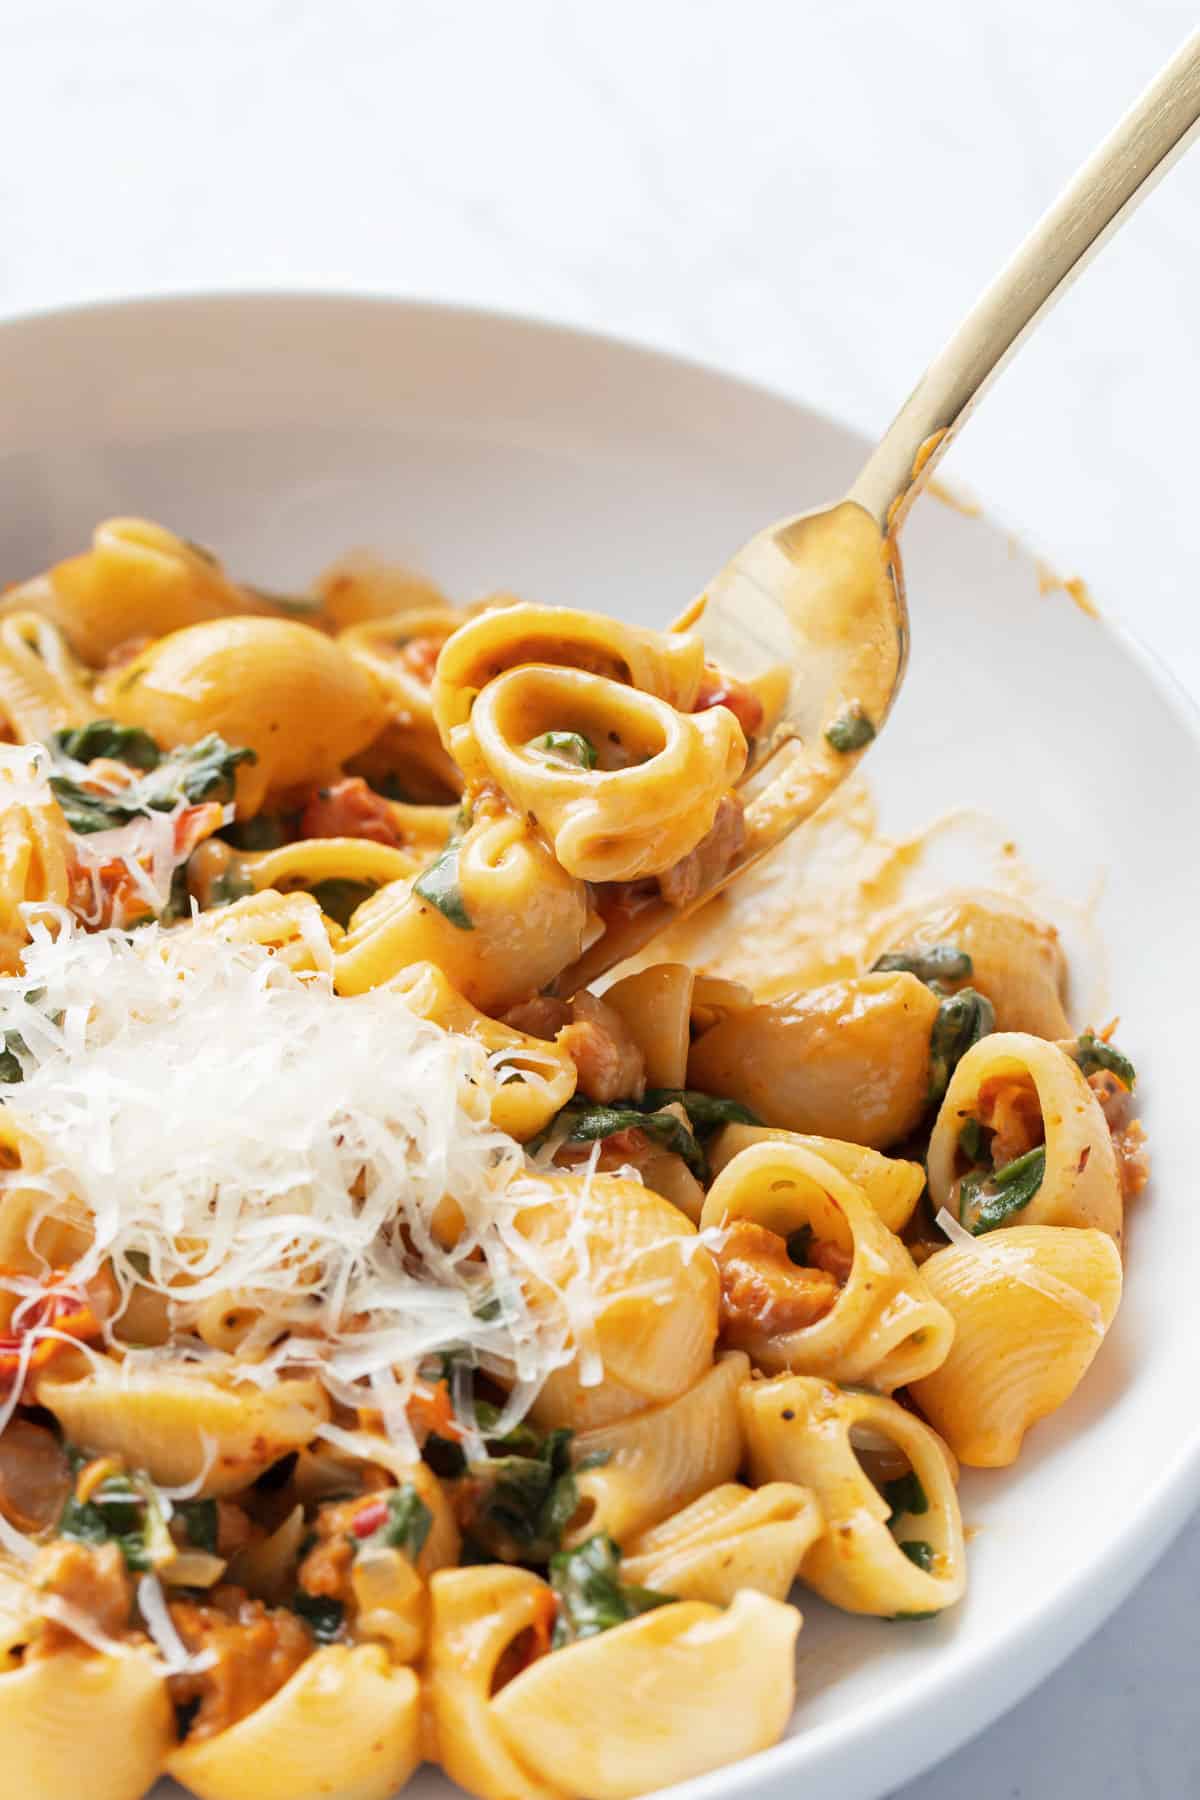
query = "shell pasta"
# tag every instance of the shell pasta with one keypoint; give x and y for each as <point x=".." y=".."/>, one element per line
<point x="407" y="1354"/>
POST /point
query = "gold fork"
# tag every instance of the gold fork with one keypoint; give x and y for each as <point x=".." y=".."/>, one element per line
<point x="822" y="595"/>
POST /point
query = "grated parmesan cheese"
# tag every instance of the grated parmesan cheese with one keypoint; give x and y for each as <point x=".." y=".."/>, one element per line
<point x="237" y="1131"/>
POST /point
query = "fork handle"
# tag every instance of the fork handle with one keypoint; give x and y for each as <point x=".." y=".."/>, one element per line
<point x="1158" y="128"/>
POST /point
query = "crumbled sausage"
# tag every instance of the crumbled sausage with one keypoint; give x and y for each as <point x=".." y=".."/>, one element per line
<point x="694" y="873"/>
<point x="763" y="1292"/>
<point x="90" y="1578"/>
<point x="254" y="1650"/>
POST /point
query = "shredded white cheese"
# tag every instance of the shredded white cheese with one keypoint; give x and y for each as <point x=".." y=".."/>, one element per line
<point x="237" y="1131"/>
<point x="1017" y="1261"/>
<point x="152" y="1605"/>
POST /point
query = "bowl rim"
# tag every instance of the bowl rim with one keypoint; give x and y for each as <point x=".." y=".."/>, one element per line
<point x="1019" y="1655"/>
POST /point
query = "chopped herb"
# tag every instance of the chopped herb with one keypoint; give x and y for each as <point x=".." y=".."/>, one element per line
<point x="439" y="885"/>
<point x="972" y="1142"/>
<point x="104" y="737"/>
<point x="200" y="1523"/>
<point x="588" y="1123"/>
<point x="591" y="1595"/>
<point x="919" y="1552"/>
<point x="962" y="1019"/>
<point x="444" y="1456"/>
<point x="991" y="1199"/>
<point x="799" y="1244"/>
<point x="851" y="730"/>
<point x="706" y="1112"/>
<point x="567" y="747"/>
<point x="1092" y="1053"/>
<point x="322" y="1615"/>
<point x="338" y="897"/>
<point x="906" y="1495"/>
<point x="406" y="1527"/>
<point x="934" y="964"/>
<point x="908" y="1618"/>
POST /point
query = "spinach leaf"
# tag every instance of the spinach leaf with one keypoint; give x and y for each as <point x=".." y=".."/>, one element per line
<point x="1092" y="1054"/>
<point x="706" y="1112"/>
<point x="991" y="1199"/>
<point x="200" y="1522"/>
<point x="588" y="1122"/>
<point x="566" y="747"/>
<point x="522" y="1440"/>
<point x="104" y="737"/>
<point x="10" y="1063"/>
<point x="124" y="1510"/>
<point x="322" y="1615"/>
<point x="908" y="1618"/>
<point x="930" y="963"/>
<point x="906" y="1495"/>
<point x="962" y="1019"/>
<point x="521" y="1504"/>
<point x="851" y="730"/>
<point x="444" y="1456"/>
<point x="919" y="1552"/>
<point x="200" y="771"/>
<point x="406" y="1527"/>
<point x="591" y="1595"/>
<point x="439" y="885"/>
<point x="203" y="771"/>
<point x="972" y="1142"/>
<point x="339" y="897"/>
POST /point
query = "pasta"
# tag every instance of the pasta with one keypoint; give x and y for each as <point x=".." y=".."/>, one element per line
<point x="407" y="1353"/>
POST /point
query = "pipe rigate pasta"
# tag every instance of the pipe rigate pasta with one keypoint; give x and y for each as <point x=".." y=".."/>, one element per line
<point x="860" y="1311"/>
<point x="182" y="1427"/>
<point x="648" y="1722"/>
<point x="651" y="1317"/>
<point x="893" y="1545"/>
<point x="1030" y="1100"/>
<point x="732" y="1537"/>
<point x="503" y="920"/>
<point x="666" y="665"/>
<point x="639" y="803"/>
<point x="648" y="1464"/>
<point x="1031" y="1306"/>
<point x="478" y="1614"/>
<point x="276" y="687"/>
<point x="137" y="580"/>
<point x="347" y="1723"/>
<point x="892" y="1185"/>
<point x="42" y="688"/>
<point x="76" y="1711"/>
<point x="847" y="1061"/>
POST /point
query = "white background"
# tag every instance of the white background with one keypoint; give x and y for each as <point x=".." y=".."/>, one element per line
<point x="807" y="192"/>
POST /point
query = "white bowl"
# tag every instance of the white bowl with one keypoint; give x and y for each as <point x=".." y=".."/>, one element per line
<point x="574" y="469"/>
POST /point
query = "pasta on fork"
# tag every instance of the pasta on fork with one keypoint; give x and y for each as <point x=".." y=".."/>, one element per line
<point x="405" y="1354"/>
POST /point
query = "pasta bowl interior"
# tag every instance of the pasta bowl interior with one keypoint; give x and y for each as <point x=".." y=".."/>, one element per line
<point x="1035" y="755"/>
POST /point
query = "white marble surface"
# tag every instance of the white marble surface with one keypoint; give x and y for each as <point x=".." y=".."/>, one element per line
<point x="807" y="194"/>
